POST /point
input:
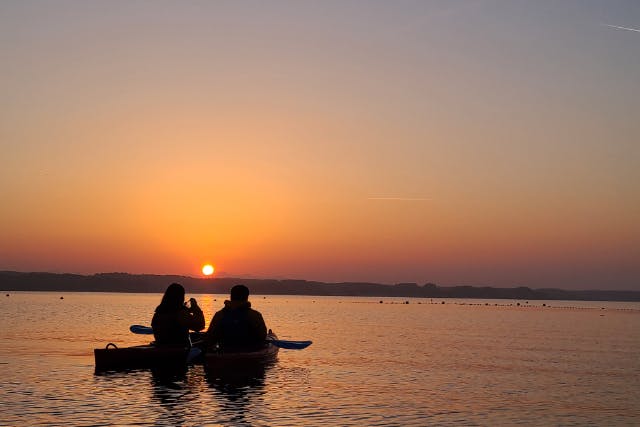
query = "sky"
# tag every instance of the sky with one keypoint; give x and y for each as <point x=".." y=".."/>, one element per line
<point x="456" y="142"/>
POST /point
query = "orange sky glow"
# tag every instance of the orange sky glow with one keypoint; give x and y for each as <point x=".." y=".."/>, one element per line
<point x="428" y="142"/>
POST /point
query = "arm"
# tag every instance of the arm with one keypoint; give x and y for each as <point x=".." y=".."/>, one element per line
<point x="192" y="318"/>
<point x="213" y="333"/>
<point x="258" y="327"/>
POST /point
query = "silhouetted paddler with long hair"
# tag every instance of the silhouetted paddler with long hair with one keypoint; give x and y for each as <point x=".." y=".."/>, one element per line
<point x="172" y="319"/>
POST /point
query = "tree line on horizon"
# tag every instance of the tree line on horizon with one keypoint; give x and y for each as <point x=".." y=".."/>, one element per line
<point x="144" y="283"/>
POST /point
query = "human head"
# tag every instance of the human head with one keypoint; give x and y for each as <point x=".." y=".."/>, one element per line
<point x="239" y="293"/>
<point x="173" y="297"/>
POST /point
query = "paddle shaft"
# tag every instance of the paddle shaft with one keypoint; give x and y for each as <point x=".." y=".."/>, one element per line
<point x="288" y="345"/>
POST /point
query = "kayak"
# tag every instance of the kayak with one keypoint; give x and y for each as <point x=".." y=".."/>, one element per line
<point x="151" y="356"/>
<point x="218" y="358"/>
<point x="141" y="356"/>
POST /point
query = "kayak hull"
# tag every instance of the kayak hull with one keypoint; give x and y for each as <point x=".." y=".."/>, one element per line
<point x="265" y="355"/>
<point x="142" y="356"/>
<point x="150" y="356"/>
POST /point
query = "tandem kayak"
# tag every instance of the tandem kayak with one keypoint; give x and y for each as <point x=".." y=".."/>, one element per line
<point x="151" y="356"/>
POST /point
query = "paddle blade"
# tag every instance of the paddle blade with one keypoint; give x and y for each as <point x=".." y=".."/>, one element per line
<point x="139" y="329"/>
<point x="291" y="345"/>
<point x="193" y="353"/>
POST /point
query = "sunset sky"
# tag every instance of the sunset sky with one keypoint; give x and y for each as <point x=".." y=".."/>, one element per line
<point x="455" y="142"/>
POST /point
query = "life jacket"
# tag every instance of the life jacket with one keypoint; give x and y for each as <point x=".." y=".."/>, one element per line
<point x="235" y="326"/>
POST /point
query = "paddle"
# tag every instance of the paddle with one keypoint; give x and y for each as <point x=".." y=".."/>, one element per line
<point x="139" y="329"/>
<point x="288" y="345"/>
<point x="193" y="353"/>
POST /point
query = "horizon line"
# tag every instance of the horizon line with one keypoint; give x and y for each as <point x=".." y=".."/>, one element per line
<point x="322" y="282"/>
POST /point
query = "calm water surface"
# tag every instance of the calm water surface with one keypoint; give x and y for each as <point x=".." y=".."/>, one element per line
<point x="465" y="362"/>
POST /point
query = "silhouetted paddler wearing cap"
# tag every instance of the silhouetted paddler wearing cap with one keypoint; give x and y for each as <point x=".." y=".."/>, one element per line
<point x="237" y="326"/>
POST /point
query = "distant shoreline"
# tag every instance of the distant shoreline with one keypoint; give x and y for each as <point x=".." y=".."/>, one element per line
<point x="148" y="283"/>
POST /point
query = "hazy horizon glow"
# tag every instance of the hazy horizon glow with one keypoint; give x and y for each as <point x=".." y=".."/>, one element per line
<point x="454" y="142"/>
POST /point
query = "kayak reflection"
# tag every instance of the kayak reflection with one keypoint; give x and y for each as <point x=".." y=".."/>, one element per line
<point x="231" y="395"/>
<point x="171" y="389"/>
<point x="235" y="385"/>
<point x="236" y="391"/>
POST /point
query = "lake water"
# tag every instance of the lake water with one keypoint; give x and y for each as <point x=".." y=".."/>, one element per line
<point x="465" y="362"/>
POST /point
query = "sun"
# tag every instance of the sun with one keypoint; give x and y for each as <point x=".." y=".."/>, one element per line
<point x="207" y="269"/>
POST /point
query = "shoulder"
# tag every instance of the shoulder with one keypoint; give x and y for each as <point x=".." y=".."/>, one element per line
<point x="254" y="313"/>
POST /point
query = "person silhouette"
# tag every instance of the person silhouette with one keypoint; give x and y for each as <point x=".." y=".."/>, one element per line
<point x="173" y="319"/>
<point x="237" y="327"/>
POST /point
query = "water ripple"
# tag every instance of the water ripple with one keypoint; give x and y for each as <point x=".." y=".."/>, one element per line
<point x="376" y="365"/>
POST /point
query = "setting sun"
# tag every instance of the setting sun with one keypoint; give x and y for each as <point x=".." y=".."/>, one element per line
<point x="207" y="270"/>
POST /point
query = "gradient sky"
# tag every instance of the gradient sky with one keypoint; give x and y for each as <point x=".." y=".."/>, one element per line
<point x="455" y="142"/>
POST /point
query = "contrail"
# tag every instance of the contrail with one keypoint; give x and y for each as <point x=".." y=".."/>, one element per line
<point x="400" y="198"/>
<point x="622" y="28"/>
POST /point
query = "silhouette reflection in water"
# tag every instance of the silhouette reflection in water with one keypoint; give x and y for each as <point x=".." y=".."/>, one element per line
<point x="214" y="396"/>
<point x="235" y="383"/>
<point x="175" y="389"/>
<point x="238" y="391"/>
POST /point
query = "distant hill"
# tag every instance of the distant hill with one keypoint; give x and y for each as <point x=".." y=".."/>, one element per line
<point x="124" y="282"/>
